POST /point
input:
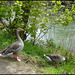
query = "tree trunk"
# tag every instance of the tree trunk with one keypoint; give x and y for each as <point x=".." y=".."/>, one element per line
<point x="25" y="17"/>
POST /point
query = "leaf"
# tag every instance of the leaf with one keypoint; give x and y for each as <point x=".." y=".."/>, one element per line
<point x="17" y="2"/>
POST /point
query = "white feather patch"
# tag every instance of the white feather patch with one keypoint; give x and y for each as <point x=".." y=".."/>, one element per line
<point x="10" y="54"/>
<point x="1" y="55"/>
<point x="47" y="57"/>
<point x="63" y="58"/>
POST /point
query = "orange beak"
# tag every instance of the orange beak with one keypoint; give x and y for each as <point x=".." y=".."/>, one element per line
<point x="22" y="29"/>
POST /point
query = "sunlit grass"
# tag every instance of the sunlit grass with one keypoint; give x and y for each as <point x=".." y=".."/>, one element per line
<point x="63" y="69"/>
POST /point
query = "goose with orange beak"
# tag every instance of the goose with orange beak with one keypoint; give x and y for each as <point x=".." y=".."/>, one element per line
<point x="14" y="48"/>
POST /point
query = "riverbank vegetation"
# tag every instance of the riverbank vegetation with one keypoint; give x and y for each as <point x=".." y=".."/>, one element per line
<point x="37" y="18"/>
<point x="34" y="55"/>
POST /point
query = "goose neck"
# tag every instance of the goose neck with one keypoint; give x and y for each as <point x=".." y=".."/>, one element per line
<point x="18" y="36"/>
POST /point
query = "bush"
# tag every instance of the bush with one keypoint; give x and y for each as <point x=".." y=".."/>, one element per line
<point x="6" y="39"/>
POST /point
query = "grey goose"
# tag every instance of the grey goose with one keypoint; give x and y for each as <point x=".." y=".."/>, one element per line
<point x="14" y="48"/>
<point x="57" y="58"/>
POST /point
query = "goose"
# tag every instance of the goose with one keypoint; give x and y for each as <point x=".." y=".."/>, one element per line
<point x="57" y="58"/>
<point x="14" y="48"/>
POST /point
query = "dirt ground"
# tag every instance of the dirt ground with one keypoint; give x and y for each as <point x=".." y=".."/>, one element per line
<point x="8" y="65"/>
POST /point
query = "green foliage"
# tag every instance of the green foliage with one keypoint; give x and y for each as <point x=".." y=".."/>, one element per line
<point x="41" y="13"/>
<point x="5" y="10"/>
<point x="34" y="50"/>
<point x="49" y="43"/>
<point x="1" y="25"/>
<point x="34" y="15"/>
<point x="66" y="68"/>
<point x="6" y="38"/>
<point x="2" y="9"/>
<point x="65" y="16"/>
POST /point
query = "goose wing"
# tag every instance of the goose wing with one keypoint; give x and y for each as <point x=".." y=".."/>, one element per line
<point x="54" y="57"/>
<point x="10" y="49"/>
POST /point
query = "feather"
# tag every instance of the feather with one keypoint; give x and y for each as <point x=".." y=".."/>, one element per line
<point x="10" y="53"/>
<point x="55" y="57"/>
<point x="47" y="57"/>
<point x="1" y="55"/>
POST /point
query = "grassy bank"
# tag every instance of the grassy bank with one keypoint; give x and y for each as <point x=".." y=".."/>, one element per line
<point x="34" y="55"/>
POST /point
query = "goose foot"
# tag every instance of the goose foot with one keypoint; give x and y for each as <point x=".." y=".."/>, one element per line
<point x="17" y="58"/>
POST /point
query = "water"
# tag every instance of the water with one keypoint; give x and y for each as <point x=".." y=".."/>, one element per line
<point x="64" y="36"/>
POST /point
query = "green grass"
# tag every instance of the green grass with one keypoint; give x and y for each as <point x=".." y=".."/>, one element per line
<point x="67" y="68"/>
<point x="34" y="49"/>
<point x="34" y="55"/>
<point x="6" y="39"/>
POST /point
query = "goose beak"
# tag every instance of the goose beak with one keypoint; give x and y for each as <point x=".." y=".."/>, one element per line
<point x="22" y="29"/>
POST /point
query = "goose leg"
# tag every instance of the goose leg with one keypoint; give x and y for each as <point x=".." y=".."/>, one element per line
<point x="17" y="58"/>
<point x="57" y="65"/>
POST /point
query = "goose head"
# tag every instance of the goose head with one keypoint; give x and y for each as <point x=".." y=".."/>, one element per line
<point x="20" y="29"/>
